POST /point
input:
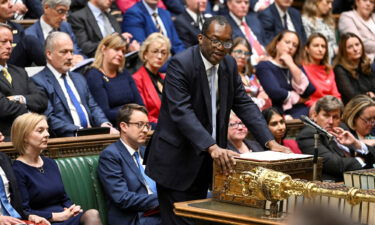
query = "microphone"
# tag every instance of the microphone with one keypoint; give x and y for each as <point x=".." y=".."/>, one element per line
<point x="318" y="128"/>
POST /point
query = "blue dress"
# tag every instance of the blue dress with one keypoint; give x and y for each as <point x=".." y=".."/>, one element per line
<point x="112" y="93"/>
<point x="42" y="190"/>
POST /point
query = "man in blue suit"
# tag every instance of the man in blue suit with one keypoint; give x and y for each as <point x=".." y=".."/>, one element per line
<point x="131" y="195"/>
<point x="70" y="103"/>
<point x="281" y="16"/>
<point x="145" y="18"/>
<point x="53" y="19"/>
<point x="248" y="26"/>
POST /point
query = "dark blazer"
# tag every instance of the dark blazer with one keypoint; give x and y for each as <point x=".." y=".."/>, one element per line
<point x="87" y="29"/>
<point x="335" y="163"/>
<point x="148" y="93"/>
<point x="254" y="24"/>
<point x="34" y="9"/>
<point x="125" y="187"/>
<point x="36" y="31"/>
<point x="179" y="145"/>
<point x="272" y="24"/>
<point x="15" y="197"/>
<point x="139" y="23"/>
<point x="36" y="100"/>
<point x="187" y="29"/>
<point x="58" y="113"/>
<point x="253" y="145"/>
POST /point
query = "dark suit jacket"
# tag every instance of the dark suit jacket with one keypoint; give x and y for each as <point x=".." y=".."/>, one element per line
<point x="179" y="145"/>
<point x="187" y="29"/>
<point x="15" y="197"/>
<point x="36" y="31"/>
<point x="58" y="113"/>
<point x="254" y="24"/>
<point x="87" y="30"/>
<point x="253" y="145"/>
<point x="272" y="24"/>
<point x="34" y="9"/>
<point x="125" y="187"/>
<point x="36" y="100"/>
<point x="335" y="163"/>
<point x="139" y="23"/>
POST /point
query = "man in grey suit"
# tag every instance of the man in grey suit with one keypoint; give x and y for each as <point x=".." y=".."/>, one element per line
<point x="18" y="94"/>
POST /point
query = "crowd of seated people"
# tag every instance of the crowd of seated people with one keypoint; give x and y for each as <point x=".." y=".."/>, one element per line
<point x="290" y="62"/>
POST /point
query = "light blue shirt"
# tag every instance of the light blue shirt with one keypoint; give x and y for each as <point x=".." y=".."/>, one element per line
<point x="99" y="18"/>
<point x="152" y="11"/>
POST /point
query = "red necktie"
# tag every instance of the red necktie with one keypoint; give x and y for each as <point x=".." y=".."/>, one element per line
<point x="253" y="42"/>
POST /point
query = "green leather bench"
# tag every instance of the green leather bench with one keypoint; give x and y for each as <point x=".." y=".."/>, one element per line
<point x="82" y="184"/>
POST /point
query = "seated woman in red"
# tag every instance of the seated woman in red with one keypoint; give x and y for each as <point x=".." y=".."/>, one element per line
<point x="154" y="52"/>
<point x="317" y="68"/>
<point x="276" y="124"/>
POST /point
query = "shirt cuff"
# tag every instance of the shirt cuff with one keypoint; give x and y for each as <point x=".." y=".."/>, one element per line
<point x="301" y="87"/>
<point x="360" y="160"/>
<point x="363" y="150"/>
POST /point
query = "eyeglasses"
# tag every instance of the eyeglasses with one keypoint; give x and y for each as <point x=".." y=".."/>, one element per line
<point x="157" y="52"/>
<point x="62" y="12"/>
<point x="141" y="125"/>
<point x="217" y="43"/>
<point x="370" y="121"/>
<point x="236" y="125"/>
<point x="239" y="53"/>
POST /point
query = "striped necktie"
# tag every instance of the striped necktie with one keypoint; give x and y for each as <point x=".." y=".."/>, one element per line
<point x="7" y="75"/>
<point x="158" y="27"/>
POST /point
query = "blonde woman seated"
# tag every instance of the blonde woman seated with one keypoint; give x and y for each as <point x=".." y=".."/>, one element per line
<point x="359" y="116"/>
<point x="317" y="18"/>
<point x="38" y="177"/>
<point x="154" y="52"/>
<point x="317" y="68"/>
<point x="111" y="85"/>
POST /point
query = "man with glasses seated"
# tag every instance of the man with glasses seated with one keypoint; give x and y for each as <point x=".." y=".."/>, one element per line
<point x="53" y="19"/>
<point x="201" y="86"/>
<point x="131" y="194"/>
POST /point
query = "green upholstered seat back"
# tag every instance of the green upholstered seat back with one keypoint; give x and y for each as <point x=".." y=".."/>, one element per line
<point x="82" y="184"/>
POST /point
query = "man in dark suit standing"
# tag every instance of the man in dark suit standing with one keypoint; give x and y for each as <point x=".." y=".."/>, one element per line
<point x="189" y="23"/>
<point x="71" y="105"/>
<point x="281" y="16"/>
<point x="341" y="154"/>
<point x="131" y="194"/>
<point x="18" y="94"/>
<point x="201" y="87"/>
<point x="92" y="23"/>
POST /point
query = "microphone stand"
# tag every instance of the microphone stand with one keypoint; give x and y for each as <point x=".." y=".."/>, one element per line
<point x="315" y="159"/>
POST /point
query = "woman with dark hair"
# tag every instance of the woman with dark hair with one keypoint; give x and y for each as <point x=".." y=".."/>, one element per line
<point x="241" y="51"/>
<point x="276" y="124"/>
<point x="317" y="18"/>
<point x="317" y="68"/>
<point x="359" y="116"/>
<point x="282" y="78"/>
<point x="353" y="69"/>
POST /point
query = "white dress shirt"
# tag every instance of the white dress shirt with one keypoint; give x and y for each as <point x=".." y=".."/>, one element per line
<point x="99" y="18"/>
<point x="288" y="19"/>
<point x="46" y="28"/>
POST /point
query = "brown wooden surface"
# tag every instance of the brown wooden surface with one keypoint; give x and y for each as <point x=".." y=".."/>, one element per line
<point x="69" y="146"/>
<point x="220" y="212"/>
<point x="25" y="23"/>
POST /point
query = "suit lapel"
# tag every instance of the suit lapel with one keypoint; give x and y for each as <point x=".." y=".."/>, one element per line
<point x="223" y="98"/>
<point x="92" y="21"/>
<point x="56" y="86"/>
<point x="39" y="33"/>
<point x="201" y="71"/>
<point x="114" y="23"/>
<point x="275" y="13"/>
<point x="4" y="80"/>
<point x="129" y="160"/>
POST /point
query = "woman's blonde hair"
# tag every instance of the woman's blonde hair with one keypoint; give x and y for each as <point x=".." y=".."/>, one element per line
<point x="310" y="10"/>
<point x="114" y="41"/>
<point x="154" y="38"/>
<point x="364" y="65"/>
<point x="22" y="127"/>
<point x="354" y="109"/>
<point x="306" y="57"/>
<point x="271" y="47"/>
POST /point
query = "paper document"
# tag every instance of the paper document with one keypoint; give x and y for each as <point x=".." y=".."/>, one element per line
<point x="272" y="156"/>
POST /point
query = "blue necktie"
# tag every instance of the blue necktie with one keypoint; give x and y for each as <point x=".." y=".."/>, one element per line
<point x="151" y="184"/>
<point x="7" y="208"/>
<point x="81" y="114"/>
<point x="213" y="99"/>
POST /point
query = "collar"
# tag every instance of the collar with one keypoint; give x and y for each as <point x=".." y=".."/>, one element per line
<point x="281" y="12"/>
<point x="1" y="67"/>
<point x="95" y="10"/>
<point x="130" y="149"/>
<point x="46" y="28"/>
<point x="236" y="19"/>
<point x="192" y="14"/>
<point x="149" y="10"/>
<point x="207" y="64"/>
<point x="55" y="72"/>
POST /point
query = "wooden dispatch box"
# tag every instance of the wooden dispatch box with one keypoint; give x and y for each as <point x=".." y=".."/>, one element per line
<point x="229" y="188"/>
